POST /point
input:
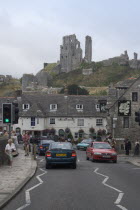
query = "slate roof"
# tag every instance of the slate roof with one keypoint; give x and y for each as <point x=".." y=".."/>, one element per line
<point x="126" y="83"/>
<point x="66" y="105"/>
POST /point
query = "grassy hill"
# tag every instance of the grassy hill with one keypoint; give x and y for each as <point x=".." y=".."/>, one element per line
<point x="8" y="89"/>
<point x="102" y="76"/>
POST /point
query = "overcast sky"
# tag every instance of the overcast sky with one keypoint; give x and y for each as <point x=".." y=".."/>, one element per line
<point x="31" y="31"/>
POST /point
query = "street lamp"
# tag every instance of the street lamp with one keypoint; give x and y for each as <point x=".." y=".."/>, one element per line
<point x="114" y="126"/>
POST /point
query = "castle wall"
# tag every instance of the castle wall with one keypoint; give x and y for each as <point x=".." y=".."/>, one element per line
<point x="26" y="80"/>
<point x="88" y="49"/>
<point x="70" y="53"/>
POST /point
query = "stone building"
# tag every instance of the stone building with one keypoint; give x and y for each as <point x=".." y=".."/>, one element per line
<point x="70" y="53"/>
<point x="88" y="49"/>
<point x="121" y="111"/>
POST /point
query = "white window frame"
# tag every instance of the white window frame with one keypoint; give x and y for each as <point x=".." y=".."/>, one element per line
<point x="97" y="107"/>
<point x="79" y="106"/>
<point x="99" y="122"/>
<point x="32" y="121"/>
<point x="80" y="122"/>
<point x="25" y="106"/>
<point x="53" y="107"/>
<point x="52" y="121"/>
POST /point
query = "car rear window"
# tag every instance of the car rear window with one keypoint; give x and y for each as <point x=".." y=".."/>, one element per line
<point x="101" y="146"/>
<point x="61" y="145"/>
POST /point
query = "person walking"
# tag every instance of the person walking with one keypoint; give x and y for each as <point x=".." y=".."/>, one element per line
<point x="10" y="147"/>
<point x="26" y="140"/>
<point x="137" y="148"/>
<point x="15" y="141"/>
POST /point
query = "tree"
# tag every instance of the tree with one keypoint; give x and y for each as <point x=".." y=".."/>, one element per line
<point x="75" y="90"/>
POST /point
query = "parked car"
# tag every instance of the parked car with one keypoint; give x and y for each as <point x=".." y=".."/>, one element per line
<point x="84" y="144"/>
<point x="101" y="151"/>
<point x="61" y="153"/>
<point x="43" y="145"/>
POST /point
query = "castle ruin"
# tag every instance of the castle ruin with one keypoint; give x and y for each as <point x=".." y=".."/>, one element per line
<point x="70" y="53"/>
<point x="88" y="49"/>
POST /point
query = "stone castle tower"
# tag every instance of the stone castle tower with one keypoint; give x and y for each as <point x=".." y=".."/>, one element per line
<point x="88" y="49"/>
<point x="70" y="53"/>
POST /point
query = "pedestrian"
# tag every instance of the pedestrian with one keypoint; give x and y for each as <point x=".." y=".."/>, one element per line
<point x="113" y="144"/>
<point x="10" y="147"/>
<point x="137" y="148"/>
<point x="15" y="140"/>
<point x="26" y="140"/>
<point x="127" y="146"/>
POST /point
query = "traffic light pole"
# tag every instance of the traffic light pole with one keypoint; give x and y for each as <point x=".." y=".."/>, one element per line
<point x="9" y="130"/>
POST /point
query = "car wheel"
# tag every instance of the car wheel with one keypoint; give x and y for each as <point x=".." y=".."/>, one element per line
<point x="114" y="161"/>
<point x="93" y="159"/>
<point x="74" y="166"/>
<point x="48" y="166"/>
<point x="87" y="157"/>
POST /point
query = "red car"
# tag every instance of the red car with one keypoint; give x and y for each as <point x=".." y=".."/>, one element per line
<point x="101" y="151"/>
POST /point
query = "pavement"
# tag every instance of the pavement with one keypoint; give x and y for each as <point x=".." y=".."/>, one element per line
<point x="12" y="180"/>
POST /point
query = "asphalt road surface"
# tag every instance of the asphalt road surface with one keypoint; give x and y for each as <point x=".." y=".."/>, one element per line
<point x="92" y="186"/>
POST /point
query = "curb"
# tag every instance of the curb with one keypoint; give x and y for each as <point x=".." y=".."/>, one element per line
<point x="20" y="187"/>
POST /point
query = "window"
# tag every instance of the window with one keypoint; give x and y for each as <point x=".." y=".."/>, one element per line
<point x="76" y="135"/>
<point x="32" y="121"/>
<point x="99" y="122"/>
<point x="97" y="107"/>
<point x="134" y="96"/>
<point x="25" y="106"/>
<point x="53" y="106"/>
<point x="52" y="120"/>
<point x="79" y="106"/>
<point x="80" y="122"/>
<point x="126" y="122"/>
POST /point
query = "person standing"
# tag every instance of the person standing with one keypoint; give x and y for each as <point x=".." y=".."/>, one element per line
<point x="137" y="148"/>
<point x="10" y="147"/>
<point x="15" y="141"/>
<point x="127" y="146"/>
<point x="26" y="140"/>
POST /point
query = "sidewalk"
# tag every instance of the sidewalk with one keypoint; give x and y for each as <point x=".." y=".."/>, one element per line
<point x="13" y="179"/>
<point x="135" y="160"/>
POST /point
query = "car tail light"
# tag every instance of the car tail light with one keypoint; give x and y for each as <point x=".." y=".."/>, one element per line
<point x="73" y="154"/>
<point x="41" y="147"/>
<point x="48" y="154"/>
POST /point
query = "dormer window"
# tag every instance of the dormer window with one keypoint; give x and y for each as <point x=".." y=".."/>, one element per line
<point x="98" y="107"/>
<point x="53" y="107"/>
<point x="25" y="106"/>
<point x="79" y="106"/>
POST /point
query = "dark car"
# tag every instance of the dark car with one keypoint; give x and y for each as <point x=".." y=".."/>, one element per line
<point x="61" y="153"/>
<point x="84" y="144"/>
<point x="43" y="145"/>
<point x="101" y="151"/>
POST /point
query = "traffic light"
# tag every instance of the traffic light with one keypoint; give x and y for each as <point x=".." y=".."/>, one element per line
<point x="137" y="118"/>
<point x="7" y="113"/>
<point x="15" y="113"/>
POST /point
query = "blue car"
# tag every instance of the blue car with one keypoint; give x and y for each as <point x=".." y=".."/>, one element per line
<point x="43" y="146"/>
<point x="60" y="153"/>
<point x="84" y="144"/>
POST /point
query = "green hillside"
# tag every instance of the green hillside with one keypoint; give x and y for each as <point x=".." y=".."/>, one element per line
<point x="102" y="76"/>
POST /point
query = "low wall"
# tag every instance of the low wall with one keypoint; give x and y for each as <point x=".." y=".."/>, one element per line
<point x="3" y="156"/>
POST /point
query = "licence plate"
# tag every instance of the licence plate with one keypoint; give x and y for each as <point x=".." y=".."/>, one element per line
<point x="106" y="156"/>
<point x="60" y="155"/>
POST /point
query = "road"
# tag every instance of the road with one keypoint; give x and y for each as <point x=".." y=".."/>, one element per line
<point x="98" y="186"/>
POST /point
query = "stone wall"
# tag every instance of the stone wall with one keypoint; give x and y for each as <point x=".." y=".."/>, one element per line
<point x="88" y="49"/>
<point x="70" y="53"/>
<point x="3" y="156"/>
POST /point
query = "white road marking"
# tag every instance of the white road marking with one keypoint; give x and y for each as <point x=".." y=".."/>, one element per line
<point x="78" y="160"/>
<point x="118" y="200"/>
<point x="27" y="192"/>
<point x="41" y="160"/>
<point x="122" y="207"/>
